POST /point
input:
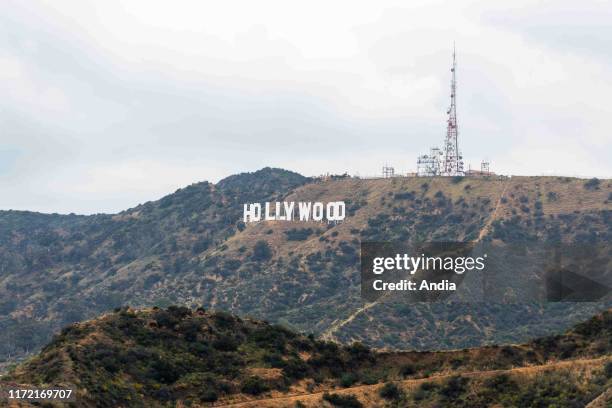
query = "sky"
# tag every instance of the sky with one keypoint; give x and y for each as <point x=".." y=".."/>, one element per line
<point x="106" y="105"/>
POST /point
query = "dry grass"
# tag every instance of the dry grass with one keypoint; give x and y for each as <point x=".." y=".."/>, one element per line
<point x="369" y="394"/>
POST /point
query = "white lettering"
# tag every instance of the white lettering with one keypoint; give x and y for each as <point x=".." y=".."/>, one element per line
<point x="289" y="210"/>
<point x="336" y="211"/>
<point x="304" y="211"/>
<point x="317" y="211"/>
<point x="285" y="211"/>
<point x="252" y="212"/>
<point x="269" y="217"/>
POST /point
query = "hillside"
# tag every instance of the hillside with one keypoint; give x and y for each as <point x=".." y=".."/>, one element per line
<point x="190" y="248"/>
<point x="181" y="357"/>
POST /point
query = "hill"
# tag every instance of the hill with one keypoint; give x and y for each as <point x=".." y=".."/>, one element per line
<point x="182" y="357"/>
<point x="191" y="248"/>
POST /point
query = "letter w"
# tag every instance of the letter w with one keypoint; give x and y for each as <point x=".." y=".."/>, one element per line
<point x="305" y="211"/>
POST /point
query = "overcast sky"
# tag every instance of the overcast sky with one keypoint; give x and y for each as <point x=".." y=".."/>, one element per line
<point x="107" y="104"/>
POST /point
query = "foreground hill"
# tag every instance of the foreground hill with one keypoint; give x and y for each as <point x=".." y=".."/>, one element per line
<point x="191" y="248"/>
<point x="180" y="357"/>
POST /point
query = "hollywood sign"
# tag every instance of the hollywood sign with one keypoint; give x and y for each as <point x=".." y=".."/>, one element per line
<point x="286" y="211"/>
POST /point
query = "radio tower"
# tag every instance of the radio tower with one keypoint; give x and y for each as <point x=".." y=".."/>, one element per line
<point x="453" y="161"/>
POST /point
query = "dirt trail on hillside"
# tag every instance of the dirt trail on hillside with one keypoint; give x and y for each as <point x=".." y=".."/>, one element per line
<point x="363" y="391"/>
<point x="604" y="400"/>
<point x="485" y="229"/>
<point x="329" y="333"/>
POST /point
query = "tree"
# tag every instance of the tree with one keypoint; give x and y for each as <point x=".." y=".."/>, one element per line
<point x="254" y="386"/>
<point x="390" y="391"/>
<point x="261" y="251"/>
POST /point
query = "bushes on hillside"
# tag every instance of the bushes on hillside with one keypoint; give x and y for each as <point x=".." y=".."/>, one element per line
<point x="261" y="251"/>
<point x="343" y="401"/>
<point x="608" y="369"/>
<point x="348" y="379"/>
<point x="254" y="385"/>
<point x="592" y="184"/>
<point x="295" y="368"/>
<point x="208" y="395"/>
<point x="454" y="387"/>
<point x="408" y="195"/>
<point x="390" y="391"/>
<point x="501" y="384"/>
<point x="359" y="353"/>
<point x="407" y="370"/>
<point x="425" y="390"/>
<point x="298" y="234"/>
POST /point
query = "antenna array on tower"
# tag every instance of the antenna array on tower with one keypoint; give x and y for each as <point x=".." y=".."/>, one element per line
<point x="453" y="161"/>
<point x="448" y="161"/>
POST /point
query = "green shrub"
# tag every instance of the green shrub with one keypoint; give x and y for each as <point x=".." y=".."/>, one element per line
<point x="428" y="386"/>
<point x="551" y="390"/>
<point x="456" y="362"/>
<point x="390" y="391"/>
<point x="608" y="369"/>
<point x="295" y="368"/>
<point x="348" y="379"/>
<point x="272" y="337"/>
<point x="165" y="319"/>
<point x="300" y="234"/>
<point x="165" y="371"/>
<point x="407" y="370"/>
<point x="225" y="343"/>
<point x="223" y="320"/>
<point x="370" y="377"/>
<point x="454" y="387"/>
<point x="343" y="401"/>
<point x="409" y="195"/>
<point x="149" y="281"/>
<point x="419" y="395"/>
<point x="359" y="352"/>
<point x="592" y="184"/>
<point x="209" y="395"/>
<point x="261" y="251"/>
<point x="202" y="245"/>
<point x="425" y="391"/>
<point x="274" y="359"/>
<point x="501" y="384"/>
<point x="254" y="385"/>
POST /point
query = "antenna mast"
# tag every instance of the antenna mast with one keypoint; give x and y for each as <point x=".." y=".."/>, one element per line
<point x="453" y="161"/>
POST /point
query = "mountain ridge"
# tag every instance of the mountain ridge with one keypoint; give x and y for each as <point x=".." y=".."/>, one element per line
<point x="190" y="247"/>
<point x="156" y="357"/>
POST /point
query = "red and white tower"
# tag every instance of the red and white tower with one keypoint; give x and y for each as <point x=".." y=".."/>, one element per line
<point x="452" y="161"/>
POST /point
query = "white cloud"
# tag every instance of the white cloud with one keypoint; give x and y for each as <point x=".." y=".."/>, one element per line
<point x="128" y="99"/>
